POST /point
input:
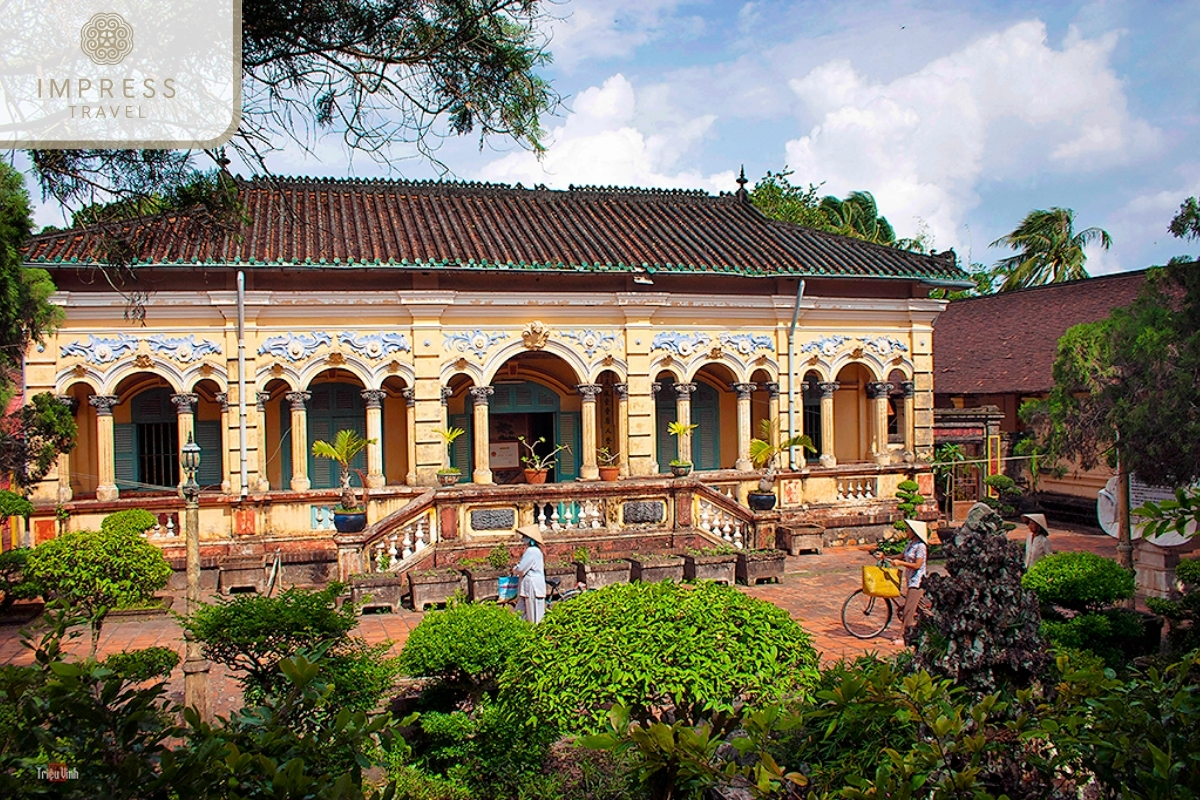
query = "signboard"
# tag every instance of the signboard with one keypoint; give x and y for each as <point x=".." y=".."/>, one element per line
<point x="993" y="462"/>
<point x="1139" y="493"/>
<point x="504" y="455"/>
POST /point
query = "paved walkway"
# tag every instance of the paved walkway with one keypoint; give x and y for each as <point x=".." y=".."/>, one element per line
<point x="812" y="591"/>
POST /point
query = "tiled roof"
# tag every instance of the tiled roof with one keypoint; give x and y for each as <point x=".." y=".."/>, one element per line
<point x="1007" y="342"/>
<point x="354" y="223"/>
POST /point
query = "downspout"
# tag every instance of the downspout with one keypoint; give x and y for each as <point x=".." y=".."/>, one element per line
<point x="241" y="336"/>
<point x="792" y="373"/>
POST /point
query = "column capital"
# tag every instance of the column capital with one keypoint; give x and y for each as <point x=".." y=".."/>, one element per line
<point x="185" y="402"/>
<point x="298" y="399"/>
<point x="223" y="399"/>
<point x="480" y="394"/>
<point x="447" y="393"/>
<point x="409" y="395"/>
<point x="260" y="400"/>
<point x="68" y="400"/>
<point x="621" y="390"/>
<point x="908" y="387"/>
<point x="589" y="391"/>
<point x="772" y="389"/>
<point x="656" y="387"/>
<point x="743" y="390"/>
<point x="103" y="403"/>
<point x="877" y="389"/>
<point x="684" y="390"/>
<point x="828" y="388"/>
<point x="373" y="397"/>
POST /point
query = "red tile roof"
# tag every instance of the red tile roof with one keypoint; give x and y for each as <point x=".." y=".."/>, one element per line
<point x="1007" y="342"/>
<point x="352" y="223"/>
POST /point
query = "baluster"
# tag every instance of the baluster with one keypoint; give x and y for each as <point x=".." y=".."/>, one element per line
<point x="704" y="520"/>
<point x="725" y="531"/>
<point x="595" y="510"/>
<point x="407" y="551"/>
<point x="391" y="548"/>
<point x="737" y="537"/>
<point x="841" y="491"/>
<point x="870" y="487"/>
<point x="541" y="518"/>
<point x="554" y="526"/>
<point x="170" y="526"/>
<point x="420" y="534"/>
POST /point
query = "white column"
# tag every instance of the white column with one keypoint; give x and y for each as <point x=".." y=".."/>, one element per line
<point x="744" y="434"/>
<point x="260" y="481"/>
<point x="230" y="459"/>
<point x="64" y="459"/>
<point x="589" y="470"/>
<point x="410" y="427"/>
<point x="483" y="453"/>
<point x="374" y="401"/>
<point x="300" y="481"/>
<point x="827" y="389"/>
<point x="877" y="393"/>
<point x="909" y="390"/>
<point x="622" y="392"/>
<point x="683" y="414"/>
<point x="106" y="486"/>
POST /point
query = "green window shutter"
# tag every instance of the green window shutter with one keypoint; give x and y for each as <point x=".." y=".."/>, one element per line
<point x="322" y="472"/>
<point x="667" y="446"/>
<point x="706" y="439"/>
<point x="212" y="455"/>
<point x="285" y="444"/>
<point x="569" y="433"/>
<point x="461" y="450"/>
<point x="123" y="456"/>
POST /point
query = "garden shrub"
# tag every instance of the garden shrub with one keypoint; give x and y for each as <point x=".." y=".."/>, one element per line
<point x="910" y="500"/>
<point x="983" y="631"/>
<point x="97" y="571"/>
<point x="1115" y="635"/>
<point x="1080" y="581"/>
<point x="14" y="505"/>
<point x="136" y="666"/>
<point x="660" y="650"/>
<point x="1009" y="494"/>
<point x="464" y="647"/>
<point x="15" y="583"/>
<point x="1182" y="615"/>
<point x="131" y="520"/>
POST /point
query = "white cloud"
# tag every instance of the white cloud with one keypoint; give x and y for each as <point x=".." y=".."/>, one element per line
<point x="604" y="141"/>
<point x="604" y="29"/>
<point x="1006" y="106"/>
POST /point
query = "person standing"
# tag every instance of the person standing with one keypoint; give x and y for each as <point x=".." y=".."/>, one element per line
<point x="913" y="559"/>
<point x="1037" y="544"/>
<point x="531" y="569"/>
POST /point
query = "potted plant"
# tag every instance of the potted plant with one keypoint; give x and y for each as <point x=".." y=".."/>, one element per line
<point x="350" y="516"/>
<point x="681" y="466"/>
<point x="537" y="466"/>
<point x="655" y="567"/>
<point x="448" y="475"/>
<point x="430" y="587"/>
<point x="718" y="563"/>
<point x="482" y="573"/>
<point x="764" y="455"/>
<point x="756" y="566"/>
<point x="598" y="573"/>
<point x="610" y="470"/>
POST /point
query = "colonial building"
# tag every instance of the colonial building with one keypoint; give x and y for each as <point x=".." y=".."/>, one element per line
<point x="592" y="318"/>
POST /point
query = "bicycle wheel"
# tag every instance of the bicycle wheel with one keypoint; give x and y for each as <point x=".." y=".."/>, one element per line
<point x="865" y="616"/>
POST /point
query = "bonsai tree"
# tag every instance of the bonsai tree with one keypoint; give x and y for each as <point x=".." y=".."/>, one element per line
<point x="684" y="432"/>
<point x="764" y="453"/>
<point x="346" y="445"/>
<point x="541" y="463"/>
<point x="449" y="435"/>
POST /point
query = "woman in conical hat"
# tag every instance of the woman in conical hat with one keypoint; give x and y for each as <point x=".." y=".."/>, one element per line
<point x="531" y="569"/>
<point x="1037" y="544"/>
<point x="914" y="558"/>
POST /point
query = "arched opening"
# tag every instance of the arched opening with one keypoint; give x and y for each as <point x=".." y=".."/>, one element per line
<point x="810" y="397"/>
<point x="705" y="413"/>
<point x="335" y="403"/>
<point x="897" y="423"/>
<point x="851" y="415"/>
<point x="145" y="436"/>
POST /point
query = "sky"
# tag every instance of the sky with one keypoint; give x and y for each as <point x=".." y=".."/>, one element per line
<point x="960" y="117"/>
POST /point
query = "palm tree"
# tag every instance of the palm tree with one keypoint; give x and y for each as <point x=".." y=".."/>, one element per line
<point x="345" y="446"/>
<point x="1048" y="249"/>
<point x="858" y="216"/>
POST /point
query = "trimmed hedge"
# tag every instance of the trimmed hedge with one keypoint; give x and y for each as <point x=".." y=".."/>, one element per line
<point x="1079" y="581"/>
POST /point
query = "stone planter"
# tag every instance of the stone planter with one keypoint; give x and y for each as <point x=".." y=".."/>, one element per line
<point x="566" y="572"/>
<point x="800" y="538"/>
<point x="482" y="582"/>
<point x="435" y="588"/>
<point x="160" y="606"/>
<point x="681" y="470"/>
<point x="761" y="501"/>
<point x="240" y="574"/>
<point x="654" y="569"/>
<point x="599" y="574"/>
<point x="448" y="478"/>
<point x="719" y="567"/>
<point x="757" y="566"/>
<point x="377" y="590"/>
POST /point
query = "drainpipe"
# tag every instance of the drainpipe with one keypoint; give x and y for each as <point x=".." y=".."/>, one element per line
<point x="241" y="336"/>
<point x="792" y="373"/>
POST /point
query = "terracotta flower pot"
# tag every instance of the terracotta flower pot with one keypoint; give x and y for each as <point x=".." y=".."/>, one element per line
<point x="610" y="473"/>
<point x="449" y="478"/>
<point x="536" y="475"/>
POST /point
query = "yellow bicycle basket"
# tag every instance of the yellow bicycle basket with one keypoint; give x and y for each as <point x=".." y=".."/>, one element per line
<point x="881" y="581"/>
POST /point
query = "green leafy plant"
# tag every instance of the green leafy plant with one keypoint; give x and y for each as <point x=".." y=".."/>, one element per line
<point x="499" y="557"/>
<point x="1009" y="494"/>
<point x="1079" y="581"/>
<point x="946" y="461"/>
<point x="97" y="571"/>
<point x="1171" y="515"/>
<point x="581" y="555"/>
<point x="683" y="431"/>
<point x="129" y="521"/>
<point x="635" y="644"/>
<point x="136" y="666"/>
<point x="13" y="505"/>
<point x="449" y="436"/>
<point x="765" y="452"/>
<point x="32" y="437"/>
<point x="541" y="462"/>
<point x="607" y="458"/>
<point x="910" y="500"/>
<point x="1183" y="615"/>
<point x="345" y="446"/>
<point x="15" y="583"/>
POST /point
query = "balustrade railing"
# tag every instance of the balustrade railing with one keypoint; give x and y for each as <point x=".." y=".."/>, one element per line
<point x="404" y="545"/>
<point x="862" y="488"/>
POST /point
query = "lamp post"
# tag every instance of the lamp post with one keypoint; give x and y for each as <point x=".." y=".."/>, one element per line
<point x="195" y="666"/>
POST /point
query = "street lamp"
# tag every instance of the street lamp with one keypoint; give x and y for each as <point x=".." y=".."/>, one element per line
<point x="195" y="666"/>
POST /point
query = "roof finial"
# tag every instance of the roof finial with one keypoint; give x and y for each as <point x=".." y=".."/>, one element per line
<point x="742" y="194"/>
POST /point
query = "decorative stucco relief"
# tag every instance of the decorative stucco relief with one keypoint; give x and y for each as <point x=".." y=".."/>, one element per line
<point x="375" y="345"/>
<point x="885" y="345"/>
<point x="184" y="349"/>
<point x="100" y="350"/>
<point x="476" y="341"/>
<point x="295" y="346"/>
<point x="681" y="344"/>
<point x="826" y="345"/>
<point x="747" y="343"/>
<point x="829" y="345"/>
<point x="591" y="340"/>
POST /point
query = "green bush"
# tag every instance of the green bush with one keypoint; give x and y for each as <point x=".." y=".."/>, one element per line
<point x="96" y="571"/>
<point x="131" y="520"/>
<point x="1010" y="494"/>
<point x="1188" y="571"/>
<point x="13" y="505"/>
<point x="1079" y="581"/>
<point x="1182" y="615"/>
<point x="465" y="646"/>
<point x="910" y="500"/>
<point x="15" y="583"/>
<point x="1115" y="635"/>
<point x="136" y="666"/>
<point x="656" y="648"/>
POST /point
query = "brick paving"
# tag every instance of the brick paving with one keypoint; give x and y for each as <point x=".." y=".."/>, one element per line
<point x="812" y="592"/>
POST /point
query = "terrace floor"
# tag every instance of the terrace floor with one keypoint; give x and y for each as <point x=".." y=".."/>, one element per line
<point x="812" y="591"/>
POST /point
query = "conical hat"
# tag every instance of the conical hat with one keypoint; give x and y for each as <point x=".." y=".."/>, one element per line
<point x="1039" y="520"/>
<point x="919" y="528"/>
<point x="533" y="532"/>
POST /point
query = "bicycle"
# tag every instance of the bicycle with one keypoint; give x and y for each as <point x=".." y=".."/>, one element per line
<point x="555" y="595"/>
<point x="865" y="616"/>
